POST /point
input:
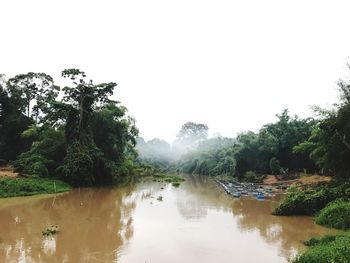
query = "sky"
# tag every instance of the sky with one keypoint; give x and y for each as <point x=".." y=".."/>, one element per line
<point x="230" y="64"/>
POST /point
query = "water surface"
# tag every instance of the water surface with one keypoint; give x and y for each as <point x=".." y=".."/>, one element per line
<point x="196" y="222"/>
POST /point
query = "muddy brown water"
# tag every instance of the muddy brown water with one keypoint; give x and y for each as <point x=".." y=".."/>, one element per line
<point x="196" y="222"/>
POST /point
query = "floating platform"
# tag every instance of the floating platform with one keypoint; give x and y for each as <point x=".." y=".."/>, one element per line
<point x="238" y="189"/>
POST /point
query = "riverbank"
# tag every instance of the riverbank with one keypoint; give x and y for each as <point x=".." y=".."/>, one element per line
<point x="11" y="187"/>
<point x="329" y="203"/>
<point x="329" y="248"/>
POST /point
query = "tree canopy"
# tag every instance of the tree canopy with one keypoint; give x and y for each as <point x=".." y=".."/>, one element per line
<point x="82" y="136"/>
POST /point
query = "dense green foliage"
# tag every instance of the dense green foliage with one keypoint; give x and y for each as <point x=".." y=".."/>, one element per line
<point x="275" y="166"/>
<point x="311" y="201"/>
<point x="335" y="215"/>
<point x="46" y="154"/>
<point x="84" y="137"/>
<point x="10" y="187"/>
<point x="299" y="202"/>
<point x="333" y="249"/>
<point x="319" y="240"/>
<point x="329" y="144"/>
<point x="268" y="151"/>
<point x="275" y="142"/>
<point x="12" y="123"/>
<point x="250" y="176"/>
<point x="212" y="157"/>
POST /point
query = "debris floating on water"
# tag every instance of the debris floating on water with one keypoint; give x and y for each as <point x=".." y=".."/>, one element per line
<point x="50" y="231"/>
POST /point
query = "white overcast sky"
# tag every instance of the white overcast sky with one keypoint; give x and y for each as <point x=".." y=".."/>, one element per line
<point x="230" y="64"/>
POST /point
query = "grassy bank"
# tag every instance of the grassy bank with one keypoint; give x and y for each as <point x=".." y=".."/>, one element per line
<point x="330" y="205"/>
<point x="310" y="201"/>
<point x="10" y="187"/>
<point x="335" y="215"/>
<point x="333" y="249"/>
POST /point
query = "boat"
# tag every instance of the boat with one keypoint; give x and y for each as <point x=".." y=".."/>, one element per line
<point x="260" y="196"/>
<point x="237" y="194"/>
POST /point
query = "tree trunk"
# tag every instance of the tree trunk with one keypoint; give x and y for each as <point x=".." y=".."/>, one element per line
<point x="342" y="137"/>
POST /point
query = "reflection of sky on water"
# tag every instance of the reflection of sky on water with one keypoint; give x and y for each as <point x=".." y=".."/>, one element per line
<point x="49" y="245"/>
<point x="92" y="232"/>
<point x="195" y="222"/>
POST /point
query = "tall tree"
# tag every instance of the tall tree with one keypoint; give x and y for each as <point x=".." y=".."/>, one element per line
<point x="189" y="136"/>
<point x="32" y="92"/>
<point x="12" y="124"/>
<point x="193" y="132"/>
<point x="82" y="164"/>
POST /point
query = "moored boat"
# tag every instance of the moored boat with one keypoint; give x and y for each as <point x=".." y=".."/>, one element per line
<point x="260" y="196"/>
<point x="237" y="194"/>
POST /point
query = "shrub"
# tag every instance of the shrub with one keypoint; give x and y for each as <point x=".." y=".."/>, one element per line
<point x="319" y="241"/>
<point x="23" y="187"/>
<point x="298" y="202"/>
<point x="333" y="249"/>
<point x="309" y="202"/>
<point x="32" y="164"/>
<point x="250" y="176"/>
<point x="335" y="215"/>
<point x="275" y="166"/>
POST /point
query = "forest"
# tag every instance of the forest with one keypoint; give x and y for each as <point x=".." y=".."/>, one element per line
<point x="79" y="134"/>
<point x="288" y="146"/>
<point x="76" y="133"/>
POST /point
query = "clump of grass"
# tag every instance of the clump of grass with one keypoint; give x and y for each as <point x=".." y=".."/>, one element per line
<point x="175" y="180"/>
<point x="326" y="249"/>
<point x="319" y="240"/>
<point x="335" y="215"/>
<point x="50" y="231"/>
<point x="10" y="187"/>
<point x="176" y="184"/>
<point x="160" y="198"/>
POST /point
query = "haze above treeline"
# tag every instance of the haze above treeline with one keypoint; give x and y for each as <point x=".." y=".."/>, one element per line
<point x="216" y="65"/>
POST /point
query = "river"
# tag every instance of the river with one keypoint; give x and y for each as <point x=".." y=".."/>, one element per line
<point x="196" y="222"/>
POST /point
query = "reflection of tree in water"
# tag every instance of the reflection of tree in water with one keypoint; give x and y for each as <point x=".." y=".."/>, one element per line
<point x="287" y="232"/>
<point x="94" y="225"/>
<point x="197" y="195"/>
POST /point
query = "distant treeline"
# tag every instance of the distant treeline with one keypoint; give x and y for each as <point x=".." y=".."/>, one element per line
<point x="291" y="144"/>
<point x="270" y="151"/>
<point x="76" y="133"/>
